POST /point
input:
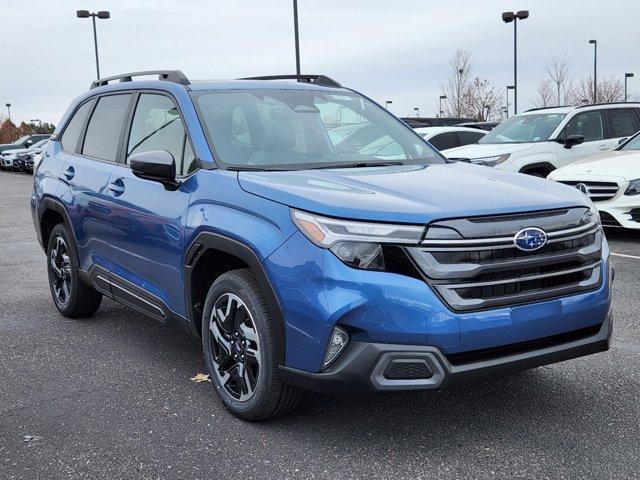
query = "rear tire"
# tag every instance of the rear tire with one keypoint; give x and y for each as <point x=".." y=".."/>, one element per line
<point x="241" y="351"/>
<point x="71" y="296"/>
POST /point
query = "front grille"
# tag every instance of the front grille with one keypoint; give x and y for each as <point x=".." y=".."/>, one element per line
<point x="482" y="268"/>
<point x="597" y="191"/>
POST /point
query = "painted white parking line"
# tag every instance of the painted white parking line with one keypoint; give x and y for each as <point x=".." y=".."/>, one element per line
<point x="625" y="256"/>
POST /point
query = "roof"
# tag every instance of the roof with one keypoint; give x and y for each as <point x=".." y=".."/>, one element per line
<point x="590" y="106"/>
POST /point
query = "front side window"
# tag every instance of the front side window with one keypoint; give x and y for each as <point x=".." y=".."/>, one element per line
<point x="72" y="132"/>
<point x="103" y="132"/>
<point x="298" y="129"/>
<point x="467" y="138"/>
<point x="587" y="124"/>
<point x="527" y="128"/>
<point x="157" y="126"/>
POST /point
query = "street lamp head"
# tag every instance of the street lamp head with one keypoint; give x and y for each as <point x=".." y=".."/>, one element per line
<point x="628" y="75"/>
<point x="522" y="14"/>
<point x="442" y="97"/>
<point x="103" y="14"/>
<point x="510" y="87"/>
<point x="593" y="42"/>
<point x="508" y="17"/>
<point x="83" y="14"/>
<point x="7" y="105"/>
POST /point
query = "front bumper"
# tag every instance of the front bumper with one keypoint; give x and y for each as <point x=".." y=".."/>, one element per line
<point x="363" y="366"/>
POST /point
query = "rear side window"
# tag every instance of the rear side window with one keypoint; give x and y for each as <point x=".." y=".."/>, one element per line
<point x="157" y="126"/>
<point x="623" y="122"/>
<point x="443" y="141"/>
<point x="74" y="128"/>
<point x="467" y="138"/>
<point x="587" y="124"/>
<point x="105" y="126"/>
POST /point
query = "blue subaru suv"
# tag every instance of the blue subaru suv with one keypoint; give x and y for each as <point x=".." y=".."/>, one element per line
<point x="312" y="240"/>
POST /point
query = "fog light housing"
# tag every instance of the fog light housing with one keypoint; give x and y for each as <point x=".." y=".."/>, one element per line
<point x="337" y="343"/>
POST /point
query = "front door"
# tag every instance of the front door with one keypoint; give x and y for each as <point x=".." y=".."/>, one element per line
<point x="591" y="126"/>
<point x="146" y="220"/>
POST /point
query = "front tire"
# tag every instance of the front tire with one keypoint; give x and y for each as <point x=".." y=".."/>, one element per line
<point x="72" y="297"/>
<point x="241" y="351"/>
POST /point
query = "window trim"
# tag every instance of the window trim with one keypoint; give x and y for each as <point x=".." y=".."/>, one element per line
<point x="122" y="148"/>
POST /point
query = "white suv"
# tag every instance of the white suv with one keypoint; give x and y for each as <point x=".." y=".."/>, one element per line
<point x="540" y="140"/>
<point x="611" y="180"/>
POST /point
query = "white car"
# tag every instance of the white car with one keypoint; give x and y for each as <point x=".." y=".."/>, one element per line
<point x="611" y="180"/>
<point x="540" y="140"/>
<point x="449" y="137"/>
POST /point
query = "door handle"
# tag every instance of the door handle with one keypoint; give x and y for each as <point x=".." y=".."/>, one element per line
<point x="69" y="173"/>
<point x="116" y="187"/>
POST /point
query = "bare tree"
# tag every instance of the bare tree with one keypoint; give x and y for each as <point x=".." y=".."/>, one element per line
<point x="610" y="89"/>
<point x="457" y="86"/>
<point x="546" y="95"/>
<point x="483" y="101"/>
<point x="558" y="72"/>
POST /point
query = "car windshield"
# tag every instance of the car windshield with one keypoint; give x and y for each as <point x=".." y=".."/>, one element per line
<point x="524" y="129"/>
<point x="21" y="140"/>
<point x="41" y="143"/>
<point x="632" y="144"/>
<point x="302" y="129"/>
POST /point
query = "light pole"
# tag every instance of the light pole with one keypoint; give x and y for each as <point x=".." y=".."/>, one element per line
<point x="296" y="34"/>
<point x="103" y="15"/>
<point x="595" y="70"/>
<point x="508" y="17"/>
<point x="39" y="123"/>
<point x="8" y="105"/>
<point x="442" y="97"/>
<point x="387" y="103"/>
<point x="626" y="77"/>
<point x="509" y="87"/>
<point x="417" y="110"/>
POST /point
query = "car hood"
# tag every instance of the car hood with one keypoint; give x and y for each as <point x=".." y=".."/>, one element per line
<point x="480" y="150"/>
<point x="17" y="150"/>
<point x="619" y="163"/>
<point x="410" y="194"/>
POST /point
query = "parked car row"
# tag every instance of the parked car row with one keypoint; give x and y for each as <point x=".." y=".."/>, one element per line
<point x="23" y="159"/>
<point x="594" y="148"/>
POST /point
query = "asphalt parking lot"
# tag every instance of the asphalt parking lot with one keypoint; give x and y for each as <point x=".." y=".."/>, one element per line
<point x="111" y="397"/>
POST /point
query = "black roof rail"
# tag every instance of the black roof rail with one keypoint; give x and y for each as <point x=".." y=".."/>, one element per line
<point x="605" y="103"/>
<point x="547" y="108"/>
<point x="175" y="76"/>
<point x="314" y="79"/>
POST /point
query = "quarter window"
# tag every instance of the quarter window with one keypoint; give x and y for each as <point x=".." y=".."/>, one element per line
<point x="72" y="132"/>
<point x="444" y="141"/>
<point x="103" y="132"/>
<point x="157" y="126"/>
<point x="587" y="124"/>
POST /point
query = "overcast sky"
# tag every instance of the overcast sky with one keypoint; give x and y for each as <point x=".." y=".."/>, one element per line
<point x="390" y="50"/>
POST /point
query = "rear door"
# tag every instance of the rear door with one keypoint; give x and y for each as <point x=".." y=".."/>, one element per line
<point x="146" y="220"/>
<point x="591" y="125"/>
<point x="86" y="169"/>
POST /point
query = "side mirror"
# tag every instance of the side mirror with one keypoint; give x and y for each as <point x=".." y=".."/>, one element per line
<point x="157" y="166"/>
<point x="622" y="140"/>
<point x="28" y="143"/>
<point x="573" y="140"/>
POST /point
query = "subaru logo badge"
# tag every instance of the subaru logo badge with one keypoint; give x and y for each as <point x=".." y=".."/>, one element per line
<point x="583" y="188"/>
<point x="530" y="239"/>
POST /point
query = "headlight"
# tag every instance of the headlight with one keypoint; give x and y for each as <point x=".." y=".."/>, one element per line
<point x="491" y="161"/>
<point x="358" y="244"/>
<point x="634" y="187"/>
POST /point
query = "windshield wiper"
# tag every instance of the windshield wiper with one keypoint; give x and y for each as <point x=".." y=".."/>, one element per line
<point x="237" y="168"/>
<point x="358" y="165"/>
